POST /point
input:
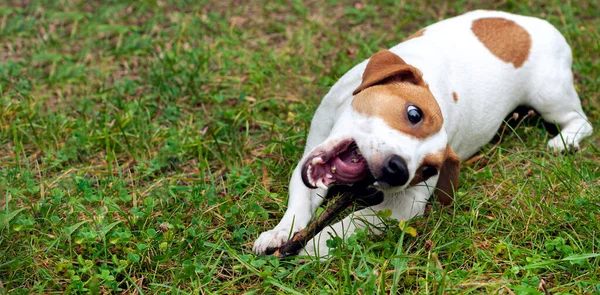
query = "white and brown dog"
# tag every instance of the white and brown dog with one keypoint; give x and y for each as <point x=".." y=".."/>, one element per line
<point x="409" y="114"/>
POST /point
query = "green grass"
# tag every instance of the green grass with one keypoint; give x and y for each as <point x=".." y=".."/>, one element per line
<point x="144" y="145"/>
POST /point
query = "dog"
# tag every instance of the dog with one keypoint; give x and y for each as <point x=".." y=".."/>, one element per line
<point x="410" y="114"/>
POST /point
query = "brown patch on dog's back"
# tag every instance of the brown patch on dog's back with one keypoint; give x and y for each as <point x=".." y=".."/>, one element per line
<point x="455" y="96"/>
<point x="418" y="33"/>
<point x="504" y="38"/>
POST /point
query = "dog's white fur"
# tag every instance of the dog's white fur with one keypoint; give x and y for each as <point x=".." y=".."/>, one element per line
<point x="452" y="59"/>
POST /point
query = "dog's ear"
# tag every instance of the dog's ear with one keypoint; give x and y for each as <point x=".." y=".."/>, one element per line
<point x="448" y="179"/>
<point x="385" y="67"/>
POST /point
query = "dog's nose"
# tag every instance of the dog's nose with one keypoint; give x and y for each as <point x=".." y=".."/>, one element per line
<point x="395" y="173"/>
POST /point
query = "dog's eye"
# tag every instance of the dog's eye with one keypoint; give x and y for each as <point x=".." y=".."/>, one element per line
<point x="415" y="115"/>
<point x="429" y="171"/>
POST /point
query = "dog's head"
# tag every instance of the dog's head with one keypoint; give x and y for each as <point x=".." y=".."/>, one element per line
<point x="392" y="130"/>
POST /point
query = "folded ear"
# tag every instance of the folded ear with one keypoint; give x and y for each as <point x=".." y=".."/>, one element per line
<point x="448" y="179"/>
<point x="385" y="67"/>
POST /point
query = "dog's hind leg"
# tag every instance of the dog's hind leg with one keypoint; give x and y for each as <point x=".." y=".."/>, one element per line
<point x="555" y="98"/>
<point x="565" y="111"/>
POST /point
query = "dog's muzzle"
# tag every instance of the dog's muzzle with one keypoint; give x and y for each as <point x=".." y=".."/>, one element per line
<point x="343" y="164"/>
<point x="395" y="172"/>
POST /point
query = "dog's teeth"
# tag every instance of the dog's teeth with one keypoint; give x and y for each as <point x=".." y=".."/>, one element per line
<point x="354" y="160"/>
<point x="320" y="184"/>
<point x="317" y="161"/>
<point x="310" y="178"/>
<point x="333" y="168"/>
<point x="329" y="176"/>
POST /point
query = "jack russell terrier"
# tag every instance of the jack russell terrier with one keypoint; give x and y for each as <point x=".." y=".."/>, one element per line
<point x="410" y="114"/>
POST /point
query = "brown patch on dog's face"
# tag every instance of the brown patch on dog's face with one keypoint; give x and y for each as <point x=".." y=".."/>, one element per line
<point x="431" y="161"/>
<point x="455" y="96"/>
<point x="384" y="67"/>
<point x="390" y="103"/>
<point x="418" y="33"/>
<point x="445" y="163"/>
<point x="389" y="87"/>
<point x="504" y="38"/>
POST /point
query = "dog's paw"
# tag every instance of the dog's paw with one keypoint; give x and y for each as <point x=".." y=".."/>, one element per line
<point x="559" y="144"/>
<point x="271" y="240"/>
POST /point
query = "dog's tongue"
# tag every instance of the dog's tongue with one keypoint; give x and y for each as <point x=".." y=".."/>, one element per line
<point x="342" y="165"/>
<point x="350" y="166"/>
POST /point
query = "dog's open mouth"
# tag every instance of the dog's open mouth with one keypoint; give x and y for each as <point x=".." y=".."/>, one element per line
<point x="343" y="164"/>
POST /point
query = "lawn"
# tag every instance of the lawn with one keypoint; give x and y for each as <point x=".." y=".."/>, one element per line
<point x="144" y="145"/>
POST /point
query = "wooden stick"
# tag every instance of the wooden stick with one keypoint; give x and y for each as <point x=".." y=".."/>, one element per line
<point x="348" y="196"/>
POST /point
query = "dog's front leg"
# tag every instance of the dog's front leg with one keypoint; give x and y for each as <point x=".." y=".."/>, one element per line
<point x="303" y="201"/>
<point x="403" y="205"/>
<point x="302" y="204"/>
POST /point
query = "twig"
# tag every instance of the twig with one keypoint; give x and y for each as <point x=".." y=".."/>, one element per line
<point x="348" y="196"/>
